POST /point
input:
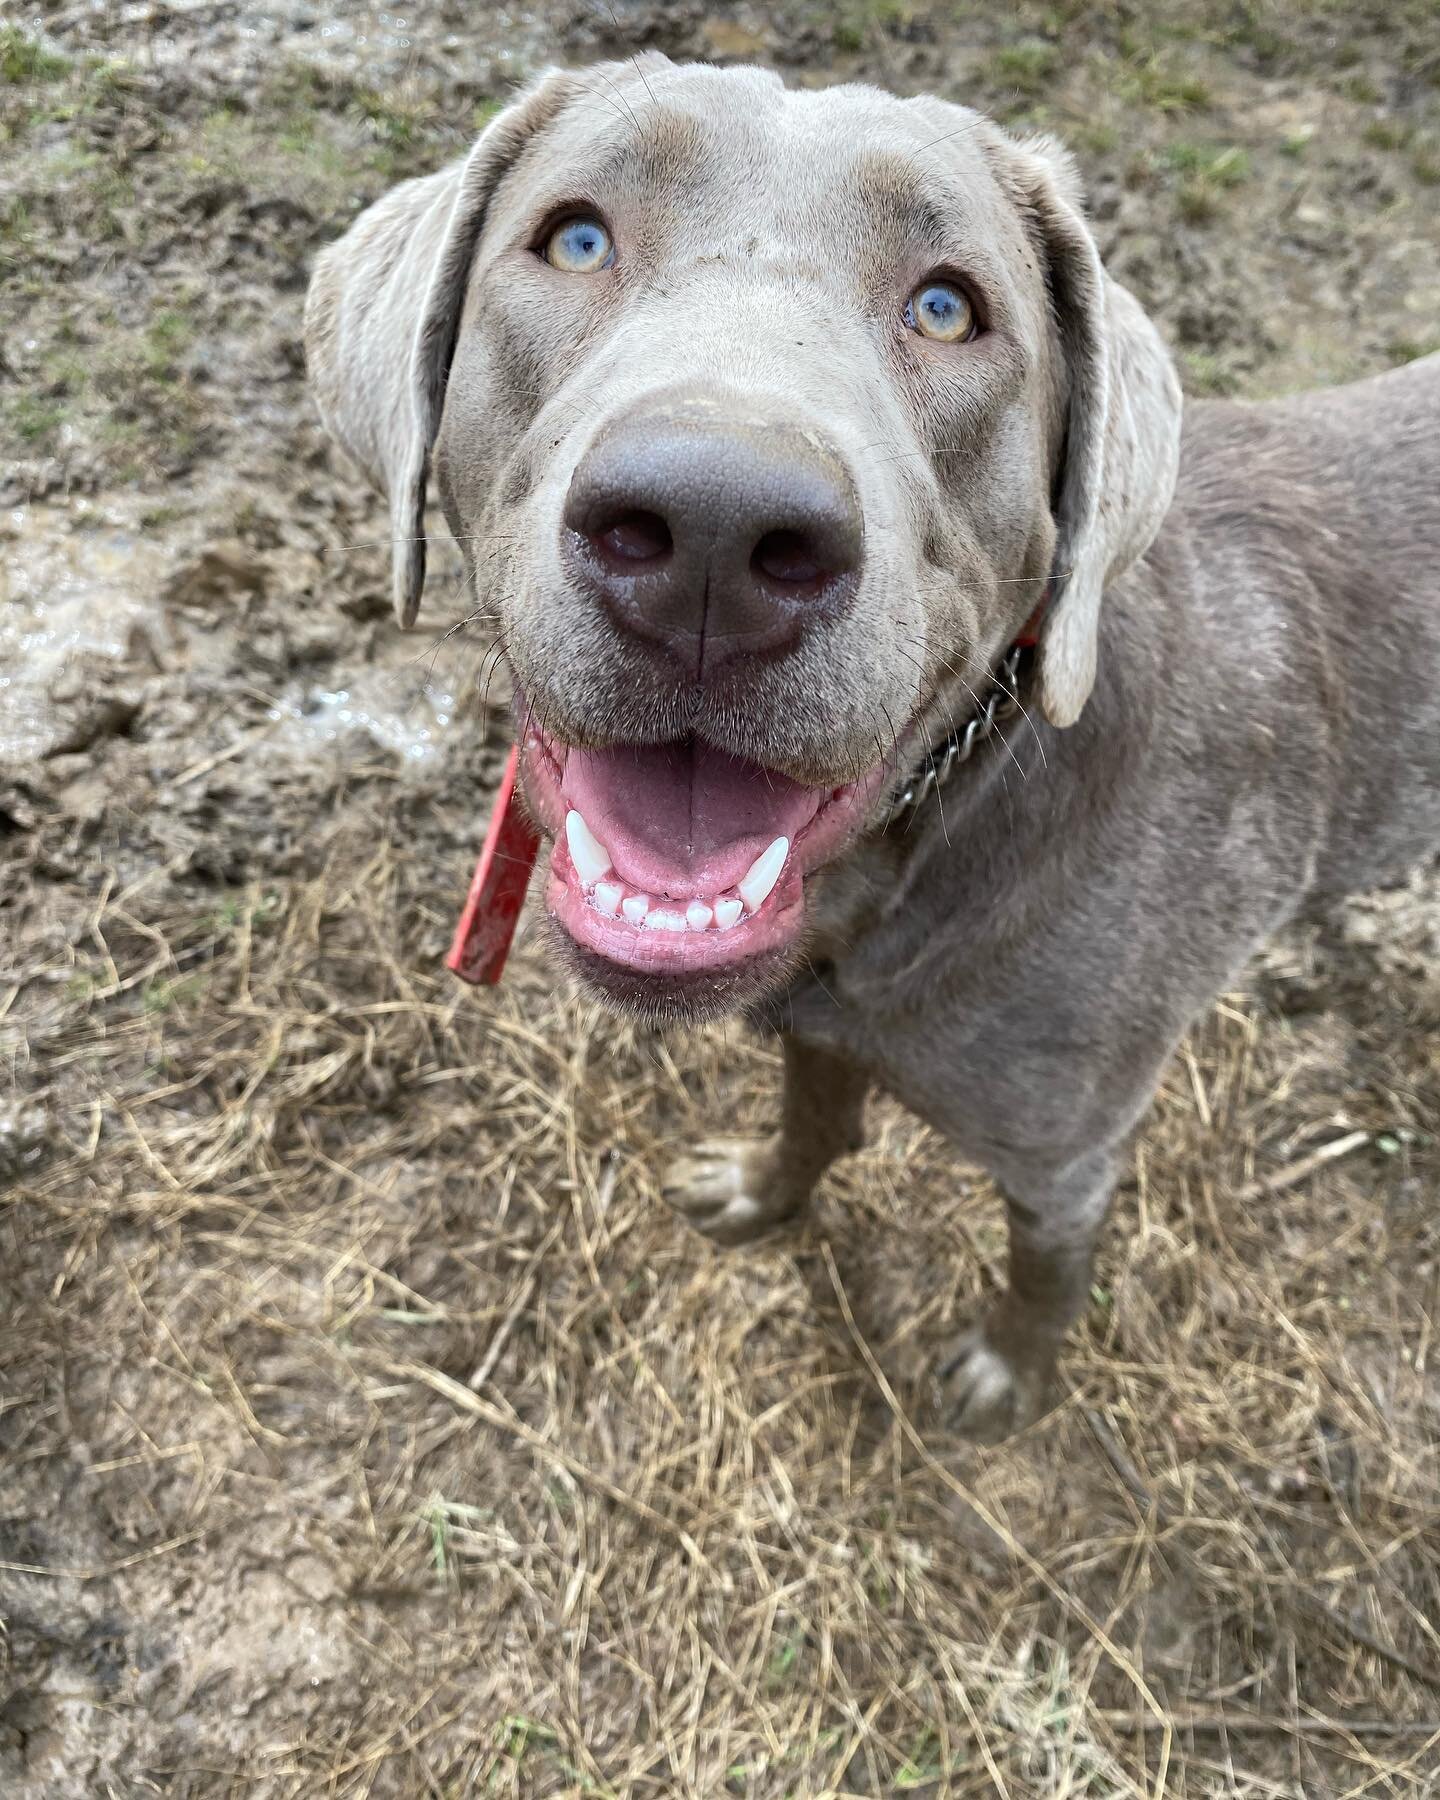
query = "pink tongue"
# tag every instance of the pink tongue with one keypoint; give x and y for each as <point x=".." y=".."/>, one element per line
<point x="683" y="819"/>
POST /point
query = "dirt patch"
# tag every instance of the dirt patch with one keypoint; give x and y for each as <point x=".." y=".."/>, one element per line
<point x="366" y="1425"/>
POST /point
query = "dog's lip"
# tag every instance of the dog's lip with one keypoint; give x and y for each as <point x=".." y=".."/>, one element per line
<point x="674" y="954"/>
<point x="765" y="933"/>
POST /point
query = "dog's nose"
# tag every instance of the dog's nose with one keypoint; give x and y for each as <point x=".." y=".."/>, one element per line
<point x="712" y="539"/>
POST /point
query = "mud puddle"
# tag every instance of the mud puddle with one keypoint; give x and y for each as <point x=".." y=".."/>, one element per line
<point x="96" y="629"/>
<point x="78" y="584"/>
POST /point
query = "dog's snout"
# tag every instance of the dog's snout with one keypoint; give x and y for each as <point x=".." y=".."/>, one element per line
<point x="713" y="539"/>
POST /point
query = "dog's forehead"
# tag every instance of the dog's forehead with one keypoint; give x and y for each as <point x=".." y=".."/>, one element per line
<point x="740" y="137"/>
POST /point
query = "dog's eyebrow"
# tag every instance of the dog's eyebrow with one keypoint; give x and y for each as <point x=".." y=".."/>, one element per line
<point x="661" y="146"/>
<point x="889" y="189"/>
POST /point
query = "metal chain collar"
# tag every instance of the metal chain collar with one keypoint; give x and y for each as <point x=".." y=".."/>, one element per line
<point x="1001" y="702"/>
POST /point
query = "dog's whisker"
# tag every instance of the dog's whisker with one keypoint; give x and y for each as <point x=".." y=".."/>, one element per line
<point x="950" y="668"/>
<point x="459" y="626"/>
<point x="619" y="112"/>
<point x="1009" y="748"/>
<point x="894" y="734"/>
<point x="458" y="629"/>
<point x="939" y="796"/>
<point x="621" y="97"/>
<point x="946" y="136"/>
<point x="494" y="656"/>
<point x="644" y="78"/>
<point x="1034" y="728"/>
<point x="1014" y="694"/>
<point x="424" y="537"/>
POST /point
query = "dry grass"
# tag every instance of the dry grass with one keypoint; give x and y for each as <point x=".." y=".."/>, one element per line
<point x="363" y="1400"/>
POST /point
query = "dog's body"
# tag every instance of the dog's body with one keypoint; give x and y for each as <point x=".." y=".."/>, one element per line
<point x="1018" y="963"/>
<point x="1264" y="733"/>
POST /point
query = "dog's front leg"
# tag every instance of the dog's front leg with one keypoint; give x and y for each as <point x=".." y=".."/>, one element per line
<point x="997" y="1378"/>
<point x="734" y="1189"/>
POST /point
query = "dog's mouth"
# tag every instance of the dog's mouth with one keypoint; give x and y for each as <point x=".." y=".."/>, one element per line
<point x="680" y="860"/>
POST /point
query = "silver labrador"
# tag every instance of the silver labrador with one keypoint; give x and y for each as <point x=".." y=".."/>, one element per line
<point x="773" y="425"/>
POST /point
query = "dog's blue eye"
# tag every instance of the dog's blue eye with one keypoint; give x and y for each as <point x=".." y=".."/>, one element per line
<point x="579" y="247"/>
<point x="940" y="310"/>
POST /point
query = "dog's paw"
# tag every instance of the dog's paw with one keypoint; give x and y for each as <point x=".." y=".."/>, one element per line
<point x="985" y="1394"/>
<point x="728" y="1189"/>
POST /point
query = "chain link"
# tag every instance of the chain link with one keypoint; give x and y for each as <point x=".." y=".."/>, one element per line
<point x="1001" y="702"/>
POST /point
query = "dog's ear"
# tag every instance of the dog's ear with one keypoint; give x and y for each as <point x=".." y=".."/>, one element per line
<point x="1122" y="434"/>
<point x="383" y="311"/>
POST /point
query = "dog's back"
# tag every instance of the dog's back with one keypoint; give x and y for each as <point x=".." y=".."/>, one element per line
<point x="1331" y="502"/>
<point x="1375" y="447"/>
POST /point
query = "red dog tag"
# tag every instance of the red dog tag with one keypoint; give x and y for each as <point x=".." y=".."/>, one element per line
<point x="497" y="893"/>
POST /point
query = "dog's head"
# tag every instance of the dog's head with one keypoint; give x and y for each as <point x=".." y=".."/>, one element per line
<point x="763" y="419"/>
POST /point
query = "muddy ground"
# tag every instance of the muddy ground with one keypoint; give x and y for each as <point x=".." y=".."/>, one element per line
<point x="366" y="1425"/>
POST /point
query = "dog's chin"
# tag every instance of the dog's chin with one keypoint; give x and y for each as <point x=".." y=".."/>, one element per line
<point x="654" y="998"/>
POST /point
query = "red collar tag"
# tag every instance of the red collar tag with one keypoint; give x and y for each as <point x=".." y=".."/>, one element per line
<point x="1030" y="631"/>
<point x="497" y="892"/>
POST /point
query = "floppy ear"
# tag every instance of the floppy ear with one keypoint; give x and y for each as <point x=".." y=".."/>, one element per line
<point x="382" y="314"/>
<point x="1122" y="434"/>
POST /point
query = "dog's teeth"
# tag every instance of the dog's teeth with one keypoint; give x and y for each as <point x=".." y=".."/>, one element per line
<point x="727" y="913"/>
<point x="764" y="872"/>
<point x="607" y="897"/>
<point x="589" y="855"/>
<point x="635" y="908"/>
<point x="698" y="916"/>
<point x="660" y="918"/>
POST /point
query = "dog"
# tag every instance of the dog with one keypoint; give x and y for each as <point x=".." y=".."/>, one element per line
<point x="895" y="659"/>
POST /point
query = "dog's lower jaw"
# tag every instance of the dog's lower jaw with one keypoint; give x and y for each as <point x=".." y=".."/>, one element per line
<point x="655" y="998"/>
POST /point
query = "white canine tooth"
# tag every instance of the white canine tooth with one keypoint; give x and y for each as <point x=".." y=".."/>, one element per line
<point x="763" y="873"/>
<point x="635" y="908"/>
<point x="662" y="919"/>
<point x="727" y="913"/>
<point x="698" y="916"/>
<point x="607" y="897"/>
<point x="589" y="855"/>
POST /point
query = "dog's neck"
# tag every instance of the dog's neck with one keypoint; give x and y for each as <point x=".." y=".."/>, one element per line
<point x="1000" y="701"/>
